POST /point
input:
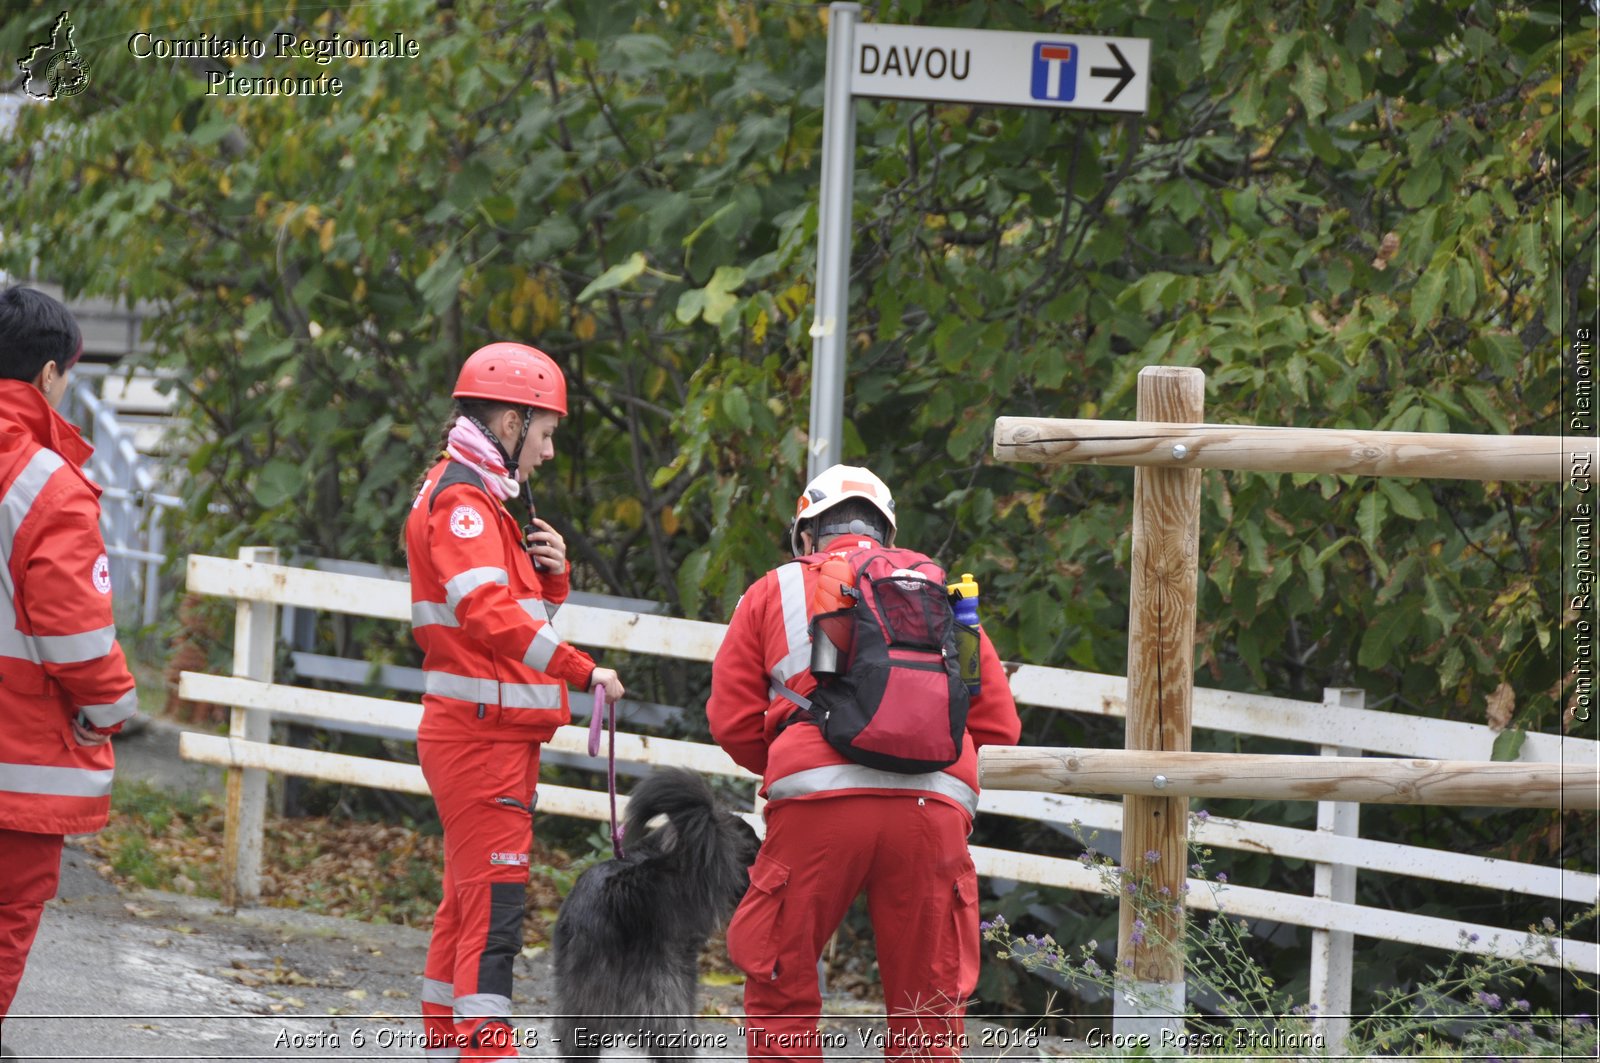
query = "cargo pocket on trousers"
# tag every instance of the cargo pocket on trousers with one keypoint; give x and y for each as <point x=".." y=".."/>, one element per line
<point x="753" y="933"/>
<point x="964" y="911"/>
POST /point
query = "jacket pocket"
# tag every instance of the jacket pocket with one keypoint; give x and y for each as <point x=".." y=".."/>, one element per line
<point x="753" y="935"/>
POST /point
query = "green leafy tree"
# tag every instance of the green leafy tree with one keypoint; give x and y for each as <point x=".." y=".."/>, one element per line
<point x="1368" y="214"/>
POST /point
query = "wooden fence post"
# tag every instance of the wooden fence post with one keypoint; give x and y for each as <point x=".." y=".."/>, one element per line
<point x="1161" y="617"/>
<point x="254" y="649"/>
<point x="1332" y="951"/>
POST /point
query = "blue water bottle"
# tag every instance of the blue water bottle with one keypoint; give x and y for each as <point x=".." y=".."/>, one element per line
<point x="964" y="602"/>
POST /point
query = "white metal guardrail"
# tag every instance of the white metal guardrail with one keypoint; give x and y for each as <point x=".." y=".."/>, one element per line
<point x="132" y="506"/>
<point x="1336" y="725"/>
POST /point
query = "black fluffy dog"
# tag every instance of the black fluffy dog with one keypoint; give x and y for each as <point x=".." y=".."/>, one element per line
<point x="628" y="939"/>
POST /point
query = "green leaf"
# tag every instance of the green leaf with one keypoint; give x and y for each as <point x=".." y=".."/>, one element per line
<point x="1426" y="297"/>
<point x="736" y="404"/>
<point x="691" y="580"/>
<point x="1480" y="403"/>
<point x="1387" y="631"/>
<point x="690" y="305"/>
<point x="1311" y="85"/>
<point x="277" y="482"/>
<point x="1420" y="184"/>
<point x="1508" y="744"/>
<point x="1369" y="516"/>
<point x="615" y="277"/>
<point x="1401" y="499"/>
<point x="441" y="281"/>
<point x="1215" y="35"/>
<point x="719" y="292"/>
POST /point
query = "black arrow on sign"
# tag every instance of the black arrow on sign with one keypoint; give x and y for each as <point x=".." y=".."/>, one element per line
<point x="1123" y="72"/>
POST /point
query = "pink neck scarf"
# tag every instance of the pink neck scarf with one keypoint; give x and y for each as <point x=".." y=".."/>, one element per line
<point x="468" y="445"/>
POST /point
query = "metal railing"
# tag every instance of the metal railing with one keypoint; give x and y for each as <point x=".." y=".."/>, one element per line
<point x="132" y="507"/>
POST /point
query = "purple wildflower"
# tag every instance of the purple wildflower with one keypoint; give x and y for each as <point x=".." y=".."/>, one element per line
<point x="1166" y="891"/>
<point x="1520" y="1005"/>
<point x="1472" y="939"/>
<point x="1489" y="1000"/>
<point x="1197" y="869"/>
<point x="1222" y="877"/>
<point x="1151" y="856"/>
<point x="1137" y="937"/>
<point x="1202" y="815"/>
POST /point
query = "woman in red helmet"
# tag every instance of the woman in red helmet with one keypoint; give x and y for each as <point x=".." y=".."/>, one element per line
<point x="495" y="681"/>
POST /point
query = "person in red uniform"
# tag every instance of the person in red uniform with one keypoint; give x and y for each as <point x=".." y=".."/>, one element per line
<point x="836" y="828"/>
<point x="64" y="683"/>
<point x="495" y="673"/>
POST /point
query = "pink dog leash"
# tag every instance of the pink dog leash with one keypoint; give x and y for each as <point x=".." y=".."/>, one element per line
<point x="600" y="707"/>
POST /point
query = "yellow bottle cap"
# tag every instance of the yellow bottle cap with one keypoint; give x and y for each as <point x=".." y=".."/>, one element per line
<point x="967" y="588"/>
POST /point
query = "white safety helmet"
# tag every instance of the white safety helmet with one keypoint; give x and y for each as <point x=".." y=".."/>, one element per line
<point x="832" y="486"/>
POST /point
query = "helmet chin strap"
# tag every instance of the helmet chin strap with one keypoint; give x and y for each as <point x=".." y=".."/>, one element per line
<point x="513" y="458"/>
<point x="522" y="440"/>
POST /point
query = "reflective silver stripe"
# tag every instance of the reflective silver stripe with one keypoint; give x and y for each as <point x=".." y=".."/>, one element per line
<point x="491" y="692"/>
<point x="536" y="608"/>
<point x="459" y="587"/>
<point x="114" y="713"/>
<point x="797" y="632"/>
<point x="530" y="695"/>
<point x="425" y="613"/>
<point x="14" y="508"/>
<point x="72" y="649"/>
<point x="860" y="777"/>
<point x="483" y="1006"/>
<point x="437" y="992"/>
<point x="543" y="647"/>
<point x="54" y="782"/>
<point x="461" y="687"/>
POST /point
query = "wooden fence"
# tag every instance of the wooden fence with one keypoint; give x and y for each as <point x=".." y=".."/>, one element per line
<point x="1338" y="724"/>
<point x="1168" y="445"/>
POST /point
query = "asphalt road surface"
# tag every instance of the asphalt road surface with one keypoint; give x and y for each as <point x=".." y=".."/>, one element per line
<point x="165" y="977"/>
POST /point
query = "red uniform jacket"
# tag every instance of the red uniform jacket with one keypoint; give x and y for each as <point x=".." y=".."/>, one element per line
<point x="493" y="665"/>
<point x="768" y="643"/>
<point x="59" y="655"/>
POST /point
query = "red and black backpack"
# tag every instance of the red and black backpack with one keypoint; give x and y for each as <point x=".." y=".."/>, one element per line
<point x="898" y="701"/>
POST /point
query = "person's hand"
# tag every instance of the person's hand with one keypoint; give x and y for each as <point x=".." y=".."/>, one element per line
<point x="605" y="677"/>
<point x="546" y="547"/>
<point x="87" y="736"/>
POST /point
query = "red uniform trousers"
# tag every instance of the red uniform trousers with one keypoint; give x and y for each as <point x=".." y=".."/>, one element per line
<point x="485" y="795"/>
<point x="31" y="871"/>
<point x="909" y="853"/>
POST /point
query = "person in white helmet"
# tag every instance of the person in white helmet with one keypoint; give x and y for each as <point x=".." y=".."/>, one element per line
<point x="837" y="828"/>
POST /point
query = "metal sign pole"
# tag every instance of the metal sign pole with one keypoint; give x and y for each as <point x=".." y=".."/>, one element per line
<point x="830" y="326"/>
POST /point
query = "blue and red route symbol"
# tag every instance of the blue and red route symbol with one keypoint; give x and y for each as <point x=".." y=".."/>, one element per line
<point x="1055" y="70"/>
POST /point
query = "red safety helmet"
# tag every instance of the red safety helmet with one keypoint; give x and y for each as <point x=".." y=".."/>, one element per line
<point x="514" y="373"/>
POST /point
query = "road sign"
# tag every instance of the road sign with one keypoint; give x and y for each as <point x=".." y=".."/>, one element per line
<point x="1064" y="70"/>
<point x="1001" y="67"/>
